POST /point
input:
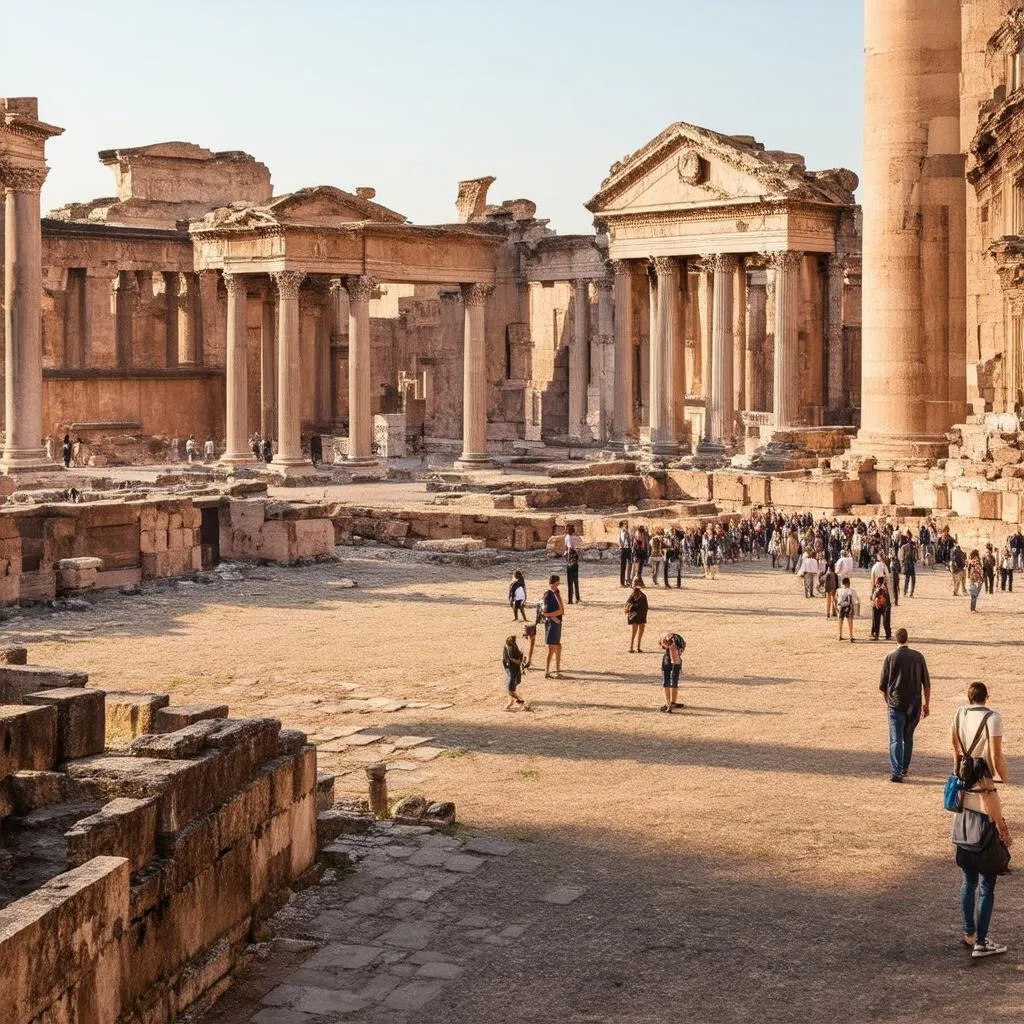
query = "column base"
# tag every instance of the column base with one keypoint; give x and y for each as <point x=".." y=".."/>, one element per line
<point x="236" y="459"/>
<point x="27" y="460"/>
<point x="360" y="460"/>
<point x="910" y="451"/>
<point x="291" y="467"/>
<point x="711" y="454"/>
<point x="665" y="450"/>
<point x="473" y="460"/>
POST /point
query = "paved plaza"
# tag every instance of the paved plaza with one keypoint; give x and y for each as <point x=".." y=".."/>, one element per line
<point x="746" y="859"/>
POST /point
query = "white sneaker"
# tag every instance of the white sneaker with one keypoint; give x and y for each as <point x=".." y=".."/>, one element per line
<point x="987" y="947"/>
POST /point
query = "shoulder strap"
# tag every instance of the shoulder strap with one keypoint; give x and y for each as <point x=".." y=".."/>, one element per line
<point x="982" y="728"/>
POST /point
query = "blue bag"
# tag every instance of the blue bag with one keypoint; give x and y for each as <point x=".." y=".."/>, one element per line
<point x="953" y="795"/>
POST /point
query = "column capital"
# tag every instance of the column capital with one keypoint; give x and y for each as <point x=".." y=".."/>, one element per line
<point x="22" y="179"/>
<point x="665" y="265"/>
<point x="231" y="282"/>
<point x="336" y="284"/>
<point x="621" y="268"/>
<point x="784" y="259"/>
<point x="476" y="294"/>
<point x="288" y="283"/>
<point x="361" y="287"/>
<point x="605" y="284"/>
<point x="718" y="262"/>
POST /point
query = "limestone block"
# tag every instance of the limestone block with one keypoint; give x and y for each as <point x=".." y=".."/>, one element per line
<point x="125" y="827"/>
<point x="314" y="538"/>
<point x="1011" y="507"/>
<point x="81" y="722"/>
<point x="976" y="504"/>
<point x="290" y="741"/>
<point x="31" y="790"/>
<point x="28" y="738"/>
<point x="456" y="545"/>
<point x="131" y="714"/>
<point x="182" y="743"/>
<point x="522" y="538"/>
<point x="174" y="521"/>
<point x="927" y="494"/>
<point x="729" y="487"/>
<point x="197" y="559"/>
<point x="17" y="680"/>
<point x="75" y="575"/>
<point x="245" y="812"/>
<point x="13" y="654"/>
<point x="688" y="484"/>
<point x="324" y="791"/>
<point x="174" y="717"/>
<point x="58" y="945"/>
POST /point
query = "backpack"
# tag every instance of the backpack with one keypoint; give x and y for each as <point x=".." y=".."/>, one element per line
<point x="958" y="560"/>
<point x="880" y="598"/>
<point x="846" y="600"/>
<point x="971" y="770"/>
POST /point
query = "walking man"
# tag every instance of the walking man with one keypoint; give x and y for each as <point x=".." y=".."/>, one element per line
<point x="809" y="568"/>
<point x="625" y="552"/>
<point x="958" y="569"/>
<point x="907" y="689"/>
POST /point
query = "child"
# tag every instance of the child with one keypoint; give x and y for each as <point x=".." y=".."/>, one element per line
<point x="845" y="602"/>
<point x="671" y="667"/>
<point x="512" y="661"/>
<point x="517" y="595"/>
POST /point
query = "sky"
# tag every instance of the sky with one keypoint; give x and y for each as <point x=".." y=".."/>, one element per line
<point x="410" y="96"/>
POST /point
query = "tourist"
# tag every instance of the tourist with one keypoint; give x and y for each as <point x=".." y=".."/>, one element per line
<point x="894" y="570"/>
<point x="1006" y="570"/>
<point x="657" y="551"/>
<point x="846" y="603"/>
<point x="636" y="615"/>
<point x="844" y="564"/>
<point x="831" y="583"/>
<point x="674" y="553"/>
<point x="792" y="543"/>
<point x="530" y="633"/>
<point x="971" y="721"/>
<point x="625" y="552"/>
<point x="775" y="549"/>
<point x="268" y="450"/>
<point x="906" y="687"/>
<point x="190" y="448"/>
<point x="552" y="611"/>
<point x="571" y="549"/>
<point x="879" y="571"/>
<point x="208" y="450"/>
<point x="640" y="551"/>
<point x="65" y="451"/>
<point x="881" y="610"/>
<point x="1017" y="547"/>
<point x="809" y="569"/>
<point x="517" y="595"/>
<point x="988" y="569"/>
<point x="512" y="662"/>
<point x="255" y="445"/>
<point x="975" y="578"/>
<point x="958" y="569"/>
<point x="908" y="556"/>
<point x="671" y="667"/>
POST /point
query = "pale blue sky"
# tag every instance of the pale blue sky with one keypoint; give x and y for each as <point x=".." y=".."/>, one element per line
<point x="409" y="96"/>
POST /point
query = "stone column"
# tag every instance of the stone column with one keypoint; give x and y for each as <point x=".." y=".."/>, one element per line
<point x="623" y="420"/>
<point x="579" y="361"/>
<point x="126" y="295"/>
<point x="836" y="400"/>
<point x="236" y="447"/>
<point x="474" y="387"/>
<point x="23" y="331"/>
<point x="360" y="415"/>
<point x="289" y="437"/>
<point x="755" y="337"/>
<point x="720" y="413"/>
<point x="268" y="368"/>
<point x="602" y="380"/>
<point x="912" y="184"/>
<point x="187" y="328"/>
<point x="786" y="388"/>
<point x="664" y="439"/>
<point x="682" y="306"/>
<point x="338" y="306"/>
<point x="705" y="298"/>
<point x="741" y="397"/>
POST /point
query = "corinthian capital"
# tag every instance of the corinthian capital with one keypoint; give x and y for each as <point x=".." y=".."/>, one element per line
<point x="22" y="179"/>
<point x="784" y="260"/>
<point x="476" y="294"/>
<point x="288" y="283"/>
<point x="230" y="283"/>
<point x="361" y="288"/>
<point x="665" y="265"/>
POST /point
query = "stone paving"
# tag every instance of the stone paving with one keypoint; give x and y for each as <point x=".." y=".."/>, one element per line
<point x="402" y="914"/>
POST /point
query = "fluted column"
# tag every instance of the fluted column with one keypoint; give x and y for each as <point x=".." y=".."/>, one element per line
<point x="623" y="419"/>
<point x="268" y="369"/>
<point x="579" y="361"/>
<point x="664" y="438"/>
<point x="719" y="417"/>
<point x="360" y="417"/>
<point x="739" y="342"/>
<point x="187" y="327"/>
<point x="289" y="438"/>
<point x="836" y="401"/>
<point x="786" y="387"/>
<point x="705" y="316"/>
<point x="602" y="374"/>
<point x="914" y="198"/>
<point x="474" y="381"/>
<point x="23" y="338"/>
<point x="236" y="448"/>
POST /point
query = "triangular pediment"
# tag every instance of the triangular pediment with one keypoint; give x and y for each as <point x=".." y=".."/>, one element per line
<point x="687" y="166"/>
<point x="326" y="206"/>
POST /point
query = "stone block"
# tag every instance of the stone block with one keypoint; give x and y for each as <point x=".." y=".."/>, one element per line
<point x="177" y="716"/>
<point x="174" y="746"/>
<point x="290" y="741"/>
<point x="332" y="823"/>
<point x="1011" y="507"/>
<point x="13" y="654"/>
<point x="931" y="495"/>
<point x="125" y="827"/>
<point x="18" y="680"/>
<point x="30" y="790"/>
<point x="131" y="714"/>
<point x="324" y="791"/>
<point x="75" y="575"/>
<point x="976" y="504"/>
<point x="81" y="722"/>
<point x="28" y="738"/>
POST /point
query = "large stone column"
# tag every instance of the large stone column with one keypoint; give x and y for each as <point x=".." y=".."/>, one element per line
<point x="623" y="419"/>
<point x="23" y="330"/>
<point x="289" y="437"/>
<point x="755" y="343"/>
<point x="579" y="361"/>
<point x="720" y="414"/>
<point x="268" y="368"/>
<point x="360" y="415"/>
<point x="836" y="401"/>
<point x="188" y="348"/>
<point x="786" y="387"/>
<point x="664" y="438"/>
<point x="602" y="373"/>
<point x="474" y="380"/>
<point x="914" y="199"/>
<point x="740" y="397"/>
<point x="236" y="447"/>
<point x="705" y="313"/>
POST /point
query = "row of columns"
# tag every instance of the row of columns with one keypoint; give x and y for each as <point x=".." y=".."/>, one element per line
<point x="724" y="360"/>
<point x="586" y="414"/>
<point x="285" y="374"/>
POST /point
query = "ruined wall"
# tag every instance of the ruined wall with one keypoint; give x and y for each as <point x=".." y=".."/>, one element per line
<point x="550" y="335"/>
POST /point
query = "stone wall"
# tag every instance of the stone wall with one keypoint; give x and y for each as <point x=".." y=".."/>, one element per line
<point x="131" y="880"/>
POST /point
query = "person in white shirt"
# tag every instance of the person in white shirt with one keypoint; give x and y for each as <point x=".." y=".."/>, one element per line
<point x="845" y="564"/>
<point x="880" y="571"/>
<point x="846" y="603"/>
<point x="809" y="568"/>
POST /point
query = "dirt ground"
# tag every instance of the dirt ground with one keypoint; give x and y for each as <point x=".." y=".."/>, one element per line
<point x="747" y="859"/>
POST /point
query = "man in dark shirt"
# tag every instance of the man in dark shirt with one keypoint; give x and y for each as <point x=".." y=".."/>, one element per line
<point x="907" y="689"/>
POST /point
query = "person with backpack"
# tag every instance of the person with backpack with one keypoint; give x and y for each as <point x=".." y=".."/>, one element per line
<point x="517" y="595"/>
<point x="846" y="606"/>
<point x="906" y="687"/>
<point x="958" y="569"/>
<point x="671" y="668"/>
<point x="636" y="615"/>
<point x="975" y="578"/>
<point x="512" y="661"/>
<point x="881" y="610"/>
<point x="978" y="758"/>
<point x="831" y="582"/>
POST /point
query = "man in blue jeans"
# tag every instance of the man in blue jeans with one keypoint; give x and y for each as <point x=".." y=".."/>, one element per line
<point x="907" y="689"/>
